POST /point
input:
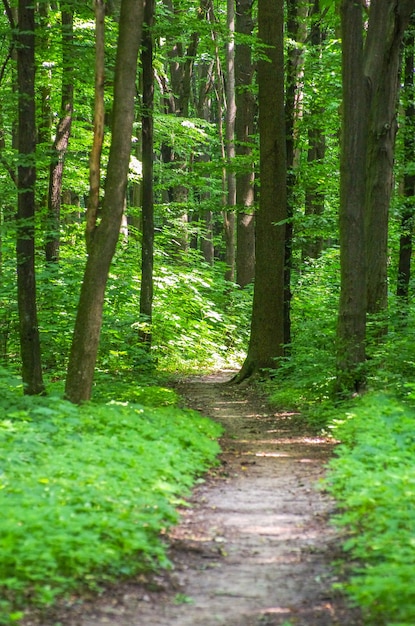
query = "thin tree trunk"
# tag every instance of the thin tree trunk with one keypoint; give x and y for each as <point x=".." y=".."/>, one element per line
<point x="314" y="197"/>
<point x="351" y="330"/>
<point x="229" y="213"/>
<point x="146" y="293"/>
<point x="85" y="340"/>
<point x="99" y="115"/>
<point x="60" y="145"/>
<point x="25" y="224"/>
<point x="244" y="128"/>
<point x="294" y="14"/>
<point x="407" y="218"/>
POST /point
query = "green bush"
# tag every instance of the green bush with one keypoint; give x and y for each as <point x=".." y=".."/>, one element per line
<point x="373" y="480"/>
<point x="87" y="492"/>
<point x="304" y="381"/>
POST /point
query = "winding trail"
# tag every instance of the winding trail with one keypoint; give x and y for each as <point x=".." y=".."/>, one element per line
<point x="255" y="547"/>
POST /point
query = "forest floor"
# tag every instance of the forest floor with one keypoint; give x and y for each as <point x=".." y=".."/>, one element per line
<point x="255" y="548"/>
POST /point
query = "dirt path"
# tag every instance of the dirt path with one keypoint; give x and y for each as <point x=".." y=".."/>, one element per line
<point x="255" y="548"/>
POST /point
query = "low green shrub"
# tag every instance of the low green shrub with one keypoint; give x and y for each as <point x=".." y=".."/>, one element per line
<point x="87" y="492"/>
<point x="373" y="480"/>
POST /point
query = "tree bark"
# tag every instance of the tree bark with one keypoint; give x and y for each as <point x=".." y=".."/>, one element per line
<point x="314" y="197"/>
<point x="26" y="181"/>
<point x="147" y="245"/>
<point x="295" y="15"/>
<point x="229" y="214"/>
<point x="103" y="243"/>
<point x="244" y="128"/>
<point x="370" y="85"/>
<point x="99" y="117"/>
<point x="60" y="145"/>
<point x="351" y="329"/>
<point x="267" y="325"/>
<point x="387" y="22"/>
<point x="407" y="216"/>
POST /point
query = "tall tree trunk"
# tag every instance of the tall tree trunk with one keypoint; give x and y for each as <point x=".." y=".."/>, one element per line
<point x="267" y="325"/>
<point x="229" y="213"/>
<point x="60" y="145"/>
<point x="408" y="209"/>
<point x="181" y="72"/>
<point x="387" y="22"/>
<point x="370" y="84"/>
<point x="204" y="111"/>
<point x="99" y="118"/>
<point x="351" y="330"/>
<point x="105" y="236"/>
<point x="314" y="195"/>
<point x="26" y="181"/>
<point x="244" y="128"/>
<point x="146" y="293"/>
<point x="295" y="12"/>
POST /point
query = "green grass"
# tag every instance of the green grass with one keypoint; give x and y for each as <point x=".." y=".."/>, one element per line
<point x="373" y="480"/>
<point x="87" y="492"/>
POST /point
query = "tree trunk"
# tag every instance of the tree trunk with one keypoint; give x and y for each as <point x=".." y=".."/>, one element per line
<point x="105" y="236"/>
<point x="352" y="306"/>
<point x="267" y="325"/>
<point x="60" y="145"/>
<point x="204" y="111"/>
<point x="26" y="181"/>
<point x="314" y="195"/>
<point x="229" y="213"/>
<point x="407" y="217"/>
<point x="387" y="22"/>
<point x="244" y="128"/>
<point x="146" y="293"/>
<point x="295" y="12"/>
<point x="370" y="84"/>
<point x="99" y="117"/>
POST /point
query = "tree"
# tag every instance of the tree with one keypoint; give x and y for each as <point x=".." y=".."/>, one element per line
<point x="105" y="236"/>
<point x="295" y="34"/>
<point x="351" y="331"/>
<point x="370" y="84"/>
<point x="147" y="252"/>
<point x="267" y="325"/>
<point x="387" y="23"/>
<point x="244" y="128"/>
<point x="314" y="194"/>
<point x="61" y="141"/>
<point x="407" y="212"/>
<point x="99" y="122"/>
<point x="26" y="181"/>
<point x="229" y="212"/>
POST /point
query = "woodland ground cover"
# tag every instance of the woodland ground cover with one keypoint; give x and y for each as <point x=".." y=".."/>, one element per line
<point x="200" y="322"/>
<point x="373" y="480"/>
<point x="86" y="492"/>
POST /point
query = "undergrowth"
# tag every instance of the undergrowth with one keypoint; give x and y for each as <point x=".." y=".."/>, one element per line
<point x="87" y="492"/>
<point x="373" y="481"/>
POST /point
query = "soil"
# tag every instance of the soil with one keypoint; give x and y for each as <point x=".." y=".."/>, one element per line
<point x="254" y="548"/>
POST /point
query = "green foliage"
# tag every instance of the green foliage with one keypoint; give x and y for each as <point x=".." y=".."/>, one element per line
<point x="207" y="322"/>
<point x="87" y="492"/>
<point x="304" y="380"/>
<point x="373" y="480"/>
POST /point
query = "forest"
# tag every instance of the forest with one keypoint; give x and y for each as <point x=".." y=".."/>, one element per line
<point x="188" y="187"/>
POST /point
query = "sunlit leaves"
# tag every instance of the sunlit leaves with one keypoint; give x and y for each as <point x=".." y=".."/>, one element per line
<point x="85" y="492"/>
<point x="373" y="479"/>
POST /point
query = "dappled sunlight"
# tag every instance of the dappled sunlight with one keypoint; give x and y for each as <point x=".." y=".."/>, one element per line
<point x="276" y="454"/>
<point x="284" y="441"/>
